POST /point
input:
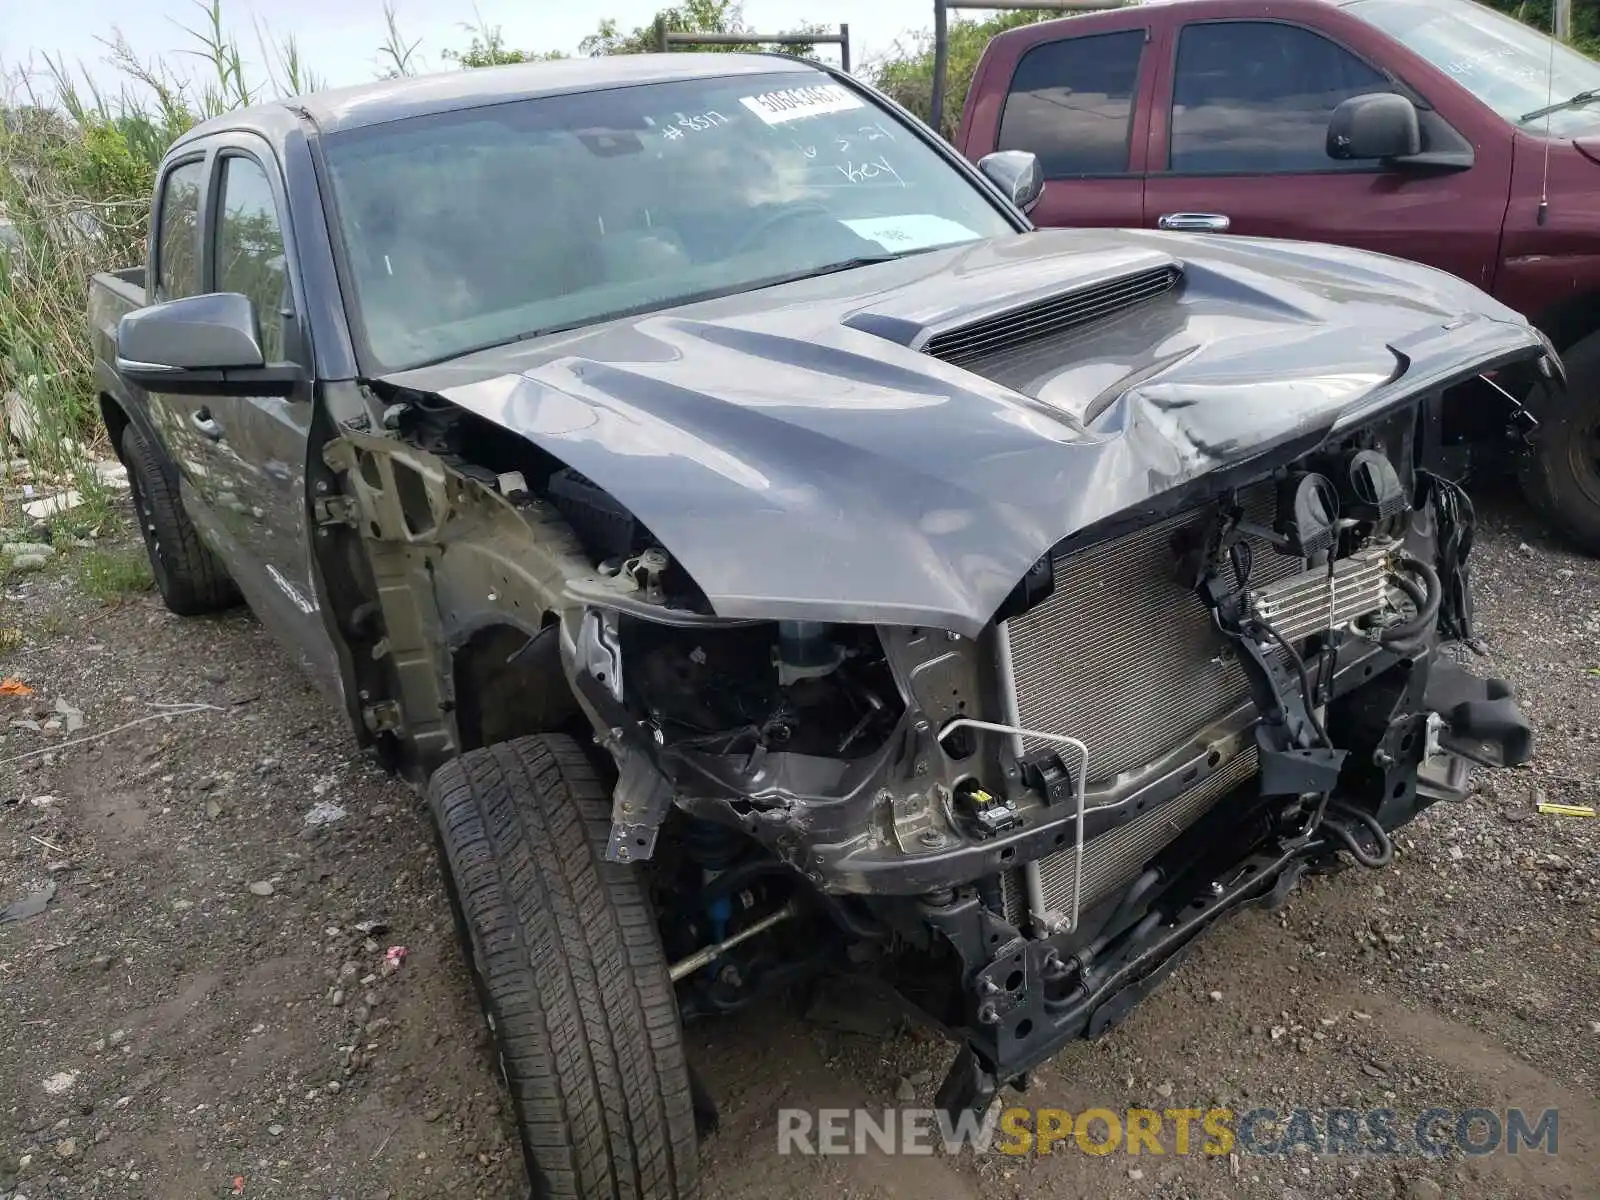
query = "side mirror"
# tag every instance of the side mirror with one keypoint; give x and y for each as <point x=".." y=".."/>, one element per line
<point x="1017" y="173"/>
<point x="1378" y="125"/>
<point x="206" y="345"/>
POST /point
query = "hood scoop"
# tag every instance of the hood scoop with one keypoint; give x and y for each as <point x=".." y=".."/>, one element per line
<point x="1009" y="330"/>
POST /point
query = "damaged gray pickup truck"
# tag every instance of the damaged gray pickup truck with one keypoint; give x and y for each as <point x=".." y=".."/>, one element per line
<point x="775" y="557"/>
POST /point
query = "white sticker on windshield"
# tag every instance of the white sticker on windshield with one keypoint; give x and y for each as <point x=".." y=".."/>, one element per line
<point x="793" y="103"/>
<point x="912" y="231"/>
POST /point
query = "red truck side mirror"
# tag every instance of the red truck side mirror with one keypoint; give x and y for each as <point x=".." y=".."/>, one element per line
<point x="1378" y="125"/>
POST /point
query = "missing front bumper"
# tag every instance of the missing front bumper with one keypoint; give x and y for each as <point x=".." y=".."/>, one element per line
<point x="1036" y="995"/>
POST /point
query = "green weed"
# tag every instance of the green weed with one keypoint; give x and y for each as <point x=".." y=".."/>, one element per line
<point x="112" y="574"/>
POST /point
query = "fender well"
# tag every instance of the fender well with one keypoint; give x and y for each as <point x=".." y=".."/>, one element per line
<point x="509" y="683"/>
<point x="459" y="629"/>
<point x="115" y="419"/>
<point x="1571" y="320"/>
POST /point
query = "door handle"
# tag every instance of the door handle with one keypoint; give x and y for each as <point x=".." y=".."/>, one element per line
<point x="202" y="420"/>
<point x="1194" y="222"/>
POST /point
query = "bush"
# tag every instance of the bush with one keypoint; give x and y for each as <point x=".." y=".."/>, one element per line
<point x="76" y="190"/>
<point x="907" y="75"/>
<point x="76" y="175"/>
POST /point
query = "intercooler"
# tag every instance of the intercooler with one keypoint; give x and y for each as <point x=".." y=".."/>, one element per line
<point x="1125" y="657"/>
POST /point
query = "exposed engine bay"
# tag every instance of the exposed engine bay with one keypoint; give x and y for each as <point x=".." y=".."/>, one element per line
<point x="1173" y="714"/>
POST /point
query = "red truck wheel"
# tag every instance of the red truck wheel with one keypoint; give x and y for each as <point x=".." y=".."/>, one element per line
<point x="1562" y="477"/>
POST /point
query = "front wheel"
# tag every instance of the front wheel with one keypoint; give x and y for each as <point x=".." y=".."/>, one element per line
<point x="570" y="971"/>
<point x="1562" y="476"/>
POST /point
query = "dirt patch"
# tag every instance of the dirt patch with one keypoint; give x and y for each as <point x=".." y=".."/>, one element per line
<point x="207" y="998"/>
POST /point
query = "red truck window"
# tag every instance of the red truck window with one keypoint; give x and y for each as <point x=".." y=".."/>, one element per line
<point x="1071" y="103"/>
<point x="1254" y="97"/>
<point x="178" y="232"/>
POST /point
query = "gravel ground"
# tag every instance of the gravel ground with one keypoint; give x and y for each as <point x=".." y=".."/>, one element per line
<point x="209" y="1004"/>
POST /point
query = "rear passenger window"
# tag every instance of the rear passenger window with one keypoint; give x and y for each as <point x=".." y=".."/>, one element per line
<point x="178" y="235"/>
<point x="1254" y="97"/>
<point x="1071" y="103"/>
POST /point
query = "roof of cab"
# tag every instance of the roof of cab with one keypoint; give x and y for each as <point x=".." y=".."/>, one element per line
<point x="449" y="91"/>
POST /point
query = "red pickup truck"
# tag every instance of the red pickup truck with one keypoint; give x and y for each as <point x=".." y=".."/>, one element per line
<point x="1437" y="130"/>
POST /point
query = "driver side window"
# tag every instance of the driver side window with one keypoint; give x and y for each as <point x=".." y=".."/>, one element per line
<point x="1254" y="97"/>
<point x="249" y="248"/>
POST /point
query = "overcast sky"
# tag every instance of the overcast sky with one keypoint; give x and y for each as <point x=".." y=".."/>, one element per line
<point x="340" y="38"/>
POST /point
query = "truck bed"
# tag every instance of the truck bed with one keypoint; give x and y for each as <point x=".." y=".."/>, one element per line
<point x="111" y="295"/>
<point x="126" y="285"/>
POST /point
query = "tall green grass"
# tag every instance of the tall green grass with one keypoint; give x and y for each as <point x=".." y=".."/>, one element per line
<point x="77" y="167"/>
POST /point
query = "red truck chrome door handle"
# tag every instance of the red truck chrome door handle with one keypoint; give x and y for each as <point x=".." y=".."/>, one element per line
<point x="1194" y="222"/>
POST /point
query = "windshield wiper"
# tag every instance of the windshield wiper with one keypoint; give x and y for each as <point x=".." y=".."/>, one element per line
<point x="1577" y="101"/>
<point x="833" y="268"/>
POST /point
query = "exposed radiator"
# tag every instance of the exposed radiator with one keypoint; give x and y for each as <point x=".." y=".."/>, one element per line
<point x="1123" y="656"/>
<point x="1127" y="659"/>
<point x="1112" y="860"/>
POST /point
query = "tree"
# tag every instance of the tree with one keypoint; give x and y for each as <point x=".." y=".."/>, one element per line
<point x="1539" y="14"/>
<point x="907" y="76"/>
<point x="693" y="16"/>
<point x="488" y="49"/>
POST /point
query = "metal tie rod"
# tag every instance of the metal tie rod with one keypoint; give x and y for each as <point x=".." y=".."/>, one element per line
<point x="709" y="954"/>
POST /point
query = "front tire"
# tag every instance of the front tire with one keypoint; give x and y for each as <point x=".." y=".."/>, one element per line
<point x="188" y="575"/>
<point x="1562" y="476"/>
<point x="570" y="971"/>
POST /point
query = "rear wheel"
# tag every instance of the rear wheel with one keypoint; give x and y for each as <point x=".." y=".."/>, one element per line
<point x="1562" y="477"/>
<point x="570" y="971"/>
<point x="188" y="575"/>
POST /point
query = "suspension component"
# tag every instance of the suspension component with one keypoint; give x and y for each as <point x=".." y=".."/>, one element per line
<point x="685" y="967"/>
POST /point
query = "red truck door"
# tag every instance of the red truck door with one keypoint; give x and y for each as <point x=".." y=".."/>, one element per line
<point x="1238" y="143"/>
<point x="1081" y="103"/>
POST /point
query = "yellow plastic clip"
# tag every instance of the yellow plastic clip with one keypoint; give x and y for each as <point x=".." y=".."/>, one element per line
<point x="1565" y="810"/>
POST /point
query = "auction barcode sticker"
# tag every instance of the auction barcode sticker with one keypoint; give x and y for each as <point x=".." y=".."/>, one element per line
<point x="793" y="103"/>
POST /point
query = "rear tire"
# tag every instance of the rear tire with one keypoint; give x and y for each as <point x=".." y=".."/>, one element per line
<point x="1562" y="476"/>
<point x="570" y="971"/>
<point x="188" y="575"/>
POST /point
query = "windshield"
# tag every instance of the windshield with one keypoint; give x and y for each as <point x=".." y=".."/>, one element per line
<point x="474" y="228"/>
<point x="1501" y="61"/>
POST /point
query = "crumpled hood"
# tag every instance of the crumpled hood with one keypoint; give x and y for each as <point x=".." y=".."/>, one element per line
<point x="801" y="458"/>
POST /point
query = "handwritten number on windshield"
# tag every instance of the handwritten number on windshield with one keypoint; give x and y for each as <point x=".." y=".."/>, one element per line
<point x="681" y="123"/>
